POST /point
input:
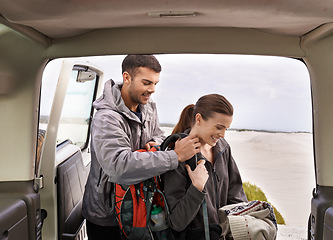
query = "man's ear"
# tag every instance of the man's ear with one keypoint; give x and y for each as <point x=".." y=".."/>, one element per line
<point x="126" y="78"/>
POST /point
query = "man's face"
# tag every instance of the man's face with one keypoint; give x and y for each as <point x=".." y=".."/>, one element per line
<point x="142" y="85"/>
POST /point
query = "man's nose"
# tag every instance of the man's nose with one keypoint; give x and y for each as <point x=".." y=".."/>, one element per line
<point x="151" y="88"/>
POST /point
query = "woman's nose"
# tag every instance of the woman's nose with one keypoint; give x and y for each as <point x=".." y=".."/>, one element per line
<point x="222" y="133"/>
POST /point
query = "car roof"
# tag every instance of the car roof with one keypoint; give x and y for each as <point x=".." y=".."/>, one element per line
<point x="63" y="19"/>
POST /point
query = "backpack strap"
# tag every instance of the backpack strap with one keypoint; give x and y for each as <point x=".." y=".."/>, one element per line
<point x="205" y="218"/>
<point x="166" y="207"/>
<point x="149" y="188"/>
<point x="192" y="163"/>
<point x="171" y="139"/>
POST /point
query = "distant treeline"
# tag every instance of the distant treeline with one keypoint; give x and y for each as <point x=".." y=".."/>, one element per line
<point x="171" y="125"/>
<point x="167" y="125"/>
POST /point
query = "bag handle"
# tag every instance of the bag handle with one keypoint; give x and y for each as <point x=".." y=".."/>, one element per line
<point x="192" y="162"/>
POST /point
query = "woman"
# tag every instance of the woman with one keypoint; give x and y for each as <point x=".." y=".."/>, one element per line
<point x="216" y="178"/>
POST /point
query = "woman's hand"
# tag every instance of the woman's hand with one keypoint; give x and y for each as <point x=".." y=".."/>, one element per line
<point x="199" y="176"/>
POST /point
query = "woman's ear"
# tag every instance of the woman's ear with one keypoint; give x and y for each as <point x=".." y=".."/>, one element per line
<point x="198" y="118"/>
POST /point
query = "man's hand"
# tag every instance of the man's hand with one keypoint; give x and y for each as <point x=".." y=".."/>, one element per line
<point x="150" y="145"/>
<point x="199" y="176"/>
<point x="187" y="147"/>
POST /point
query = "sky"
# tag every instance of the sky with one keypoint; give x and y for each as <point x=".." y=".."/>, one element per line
<point x="267" y="93"/>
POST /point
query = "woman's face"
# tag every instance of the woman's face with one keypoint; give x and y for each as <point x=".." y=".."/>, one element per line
<point x="212" y="129"/>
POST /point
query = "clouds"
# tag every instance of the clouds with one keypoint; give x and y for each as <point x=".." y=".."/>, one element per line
<point x="268" y="93"/>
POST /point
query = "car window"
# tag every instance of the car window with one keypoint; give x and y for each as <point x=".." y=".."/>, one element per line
<point x="76" y="112"/>
<point x="271" y="132"/>
<point x="77" y="108"/>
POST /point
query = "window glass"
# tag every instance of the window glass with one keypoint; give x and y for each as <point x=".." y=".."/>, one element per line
<point x="75" y="116"/>
<point x="271" y="133"/>
<point x="76" y="112"/>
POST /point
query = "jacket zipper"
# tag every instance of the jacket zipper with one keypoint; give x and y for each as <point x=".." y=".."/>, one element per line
<point x="142" y="128"/>
<point x="216" y="181"/>
<point x="100" y="177"/>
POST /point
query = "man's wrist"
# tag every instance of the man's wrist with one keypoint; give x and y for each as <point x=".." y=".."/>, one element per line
<point x="179" y="158"/>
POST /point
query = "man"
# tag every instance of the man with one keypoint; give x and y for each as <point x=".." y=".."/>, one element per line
<point x="126" y="120"/>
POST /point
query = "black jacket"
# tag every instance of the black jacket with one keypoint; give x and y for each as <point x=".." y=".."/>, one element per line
<point x="224" y="186"/>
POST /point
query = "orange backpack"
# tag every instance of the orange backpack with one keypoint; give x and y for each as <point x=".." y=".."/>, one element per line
<point x="134" y="204"/>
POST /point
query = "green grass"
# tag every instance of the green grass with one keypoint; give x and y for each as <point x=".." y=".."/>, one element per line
<point x="255" y="193"/>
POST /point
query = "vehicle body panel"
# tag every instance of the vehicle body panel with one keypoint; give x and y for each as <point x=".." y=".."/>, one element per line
<point x="35" y="32"/>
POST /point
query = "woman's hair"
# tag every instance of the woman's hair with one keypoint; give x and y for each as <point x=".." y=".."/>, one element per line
<point x="207" y="105"/>
<point x="131" y="63"/>
<point x="185" y="119"/>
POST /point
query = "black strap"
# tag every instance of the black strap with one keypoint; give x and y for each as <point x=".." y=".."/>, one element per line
<point x="205" y="218"/>
<point x="171" y="139"/>
<point x="192" y="162"/>
<point x="149" y="187"/>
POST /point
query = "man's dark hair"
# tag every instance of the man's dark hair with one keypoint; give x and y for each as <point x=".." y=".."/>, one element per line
<point x="131" y="63"/>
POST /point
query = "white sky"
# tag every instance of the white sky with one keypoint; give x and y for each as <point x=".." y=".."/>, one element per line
<point x="268" y="93"/>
